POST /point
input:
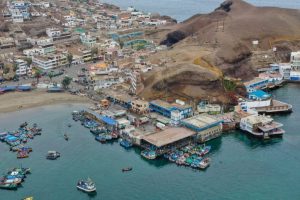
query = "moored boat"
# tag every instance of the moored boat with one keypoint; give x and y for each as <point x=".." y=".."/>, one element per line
<point x="100" y="138"/>
<point x="22" y="154"/>
<point x="126" y="144"/>
<point x="86" y="186"/>
<point x="204" y="163"/>
<point x="126" y="169"/>
<point x="151" y="155"/>
<point x="52" y="155"/>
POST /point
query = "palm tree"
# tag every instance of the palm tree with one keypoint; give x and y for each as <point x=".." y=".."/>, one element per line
<point x="70" y="59"/>
<point x="37" y="75"/>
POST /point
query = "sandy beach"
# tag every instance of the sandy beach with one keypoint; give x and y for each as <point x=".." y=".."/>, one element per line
<point x="15" y="101"/>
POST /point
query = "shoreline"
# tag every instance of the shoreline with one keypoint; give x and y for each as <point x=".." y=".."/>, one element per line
<point x="16" y="101"/>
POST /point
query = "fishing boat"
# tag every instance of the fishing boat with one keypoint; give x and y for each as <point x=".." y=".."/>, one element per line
<point x="52" y="155"/>
<point x="11" y="180"/>
<point x="23" y="125"/>
<point x="86" y="186"/>
<point x="22" y="169"/>
<point x="8" y="186"/>
<point x="66" y="137"/>
<point x="148" y="154"/>
<point x="22" y="154"/>
<point x="27" y="149"/>
<point x="100" y="138"/>
<point x="126" y="144"/>
<point x="204" y="163"/>
<point x="205" y="150"/>
<point x="114" y="135"/>
<point x="107" y="137"/>
<point x="16" y="174"/>
<point x="126" y="169"/>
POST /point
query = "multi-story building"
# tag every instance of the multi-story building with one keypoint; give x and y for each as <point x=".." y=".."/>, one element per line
<point x="50" y="61"/>
<point x="165" y="108"/>
<point x="53" y="32"/>
<point x="88" y="40"/>
<point x="261" y="126"/>
<point x="295" y="66"/>
<point x="22" y="67"/>
<point x="206" y="126"/>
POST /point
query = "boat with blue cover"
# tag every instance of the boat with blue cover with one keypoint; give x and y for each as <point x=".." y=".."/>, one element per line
<point x="86" y="186"/>
<point x="149" y="154"/>
<point x="126" y="144"/>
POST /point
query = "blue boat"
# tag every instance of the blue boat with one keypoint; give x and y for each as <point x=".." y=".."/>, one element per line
<point x="126" y="144"/>
<point x="100" y="138"/>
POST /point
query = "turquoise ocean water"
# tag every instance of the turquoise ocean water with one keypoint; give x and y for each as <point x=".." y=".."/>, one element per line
<point x="242" y="167"/>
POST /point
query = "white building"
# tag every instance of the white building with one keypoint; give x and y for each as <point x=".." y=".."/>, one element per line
<point x="88" y="40"/>
<point x="50" y="61"/>
<point x="248" y="105"/>
<point x="261" y="126"/>
<point x="16" y="16"/>
<point x="295" y="65"/>
<point x="22" y="68"/>
<point x="285" y="70"/>
<point x="53" y="32"/>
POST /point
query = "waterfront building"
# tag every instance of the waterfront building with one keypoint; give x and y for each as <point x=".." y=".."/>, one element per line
<point x="164" y="108"/>
<point x="206" y="126"/>
<point x="295" y="66"/>
<point x="168" y="139"/>
<point x="261" y="126"/>
<point x="256" y="84"/>
<point x="258" y="95"/>
<point x="247" y="105"/>
<point x="285" y="70"/>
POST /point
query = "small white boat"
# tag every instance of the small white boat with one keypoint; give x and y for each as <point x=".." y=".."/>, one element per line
<point x="86" y="186"/>
<point x="204" y="163"/>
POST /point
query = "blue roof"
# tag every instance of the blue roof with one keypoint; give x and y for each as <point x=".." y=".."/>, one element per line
<point x="108" y="120"/>
<point x="259" y="94"/>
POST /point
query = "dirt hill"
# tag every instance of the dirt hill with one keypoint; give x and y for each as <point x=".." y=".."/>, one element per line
<point x="227" y="35"/>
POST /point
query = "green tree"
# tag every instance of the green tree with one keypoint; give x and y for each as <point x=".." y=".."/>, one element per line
<point x="28" y="61"/>
<point x="6" y="70"/>
<point x="15" y="67"/>
<point x="66" y="82"/>
<point x="70" y="59"/>
<point x="50" y="75"/>
<point x="37" y="75"/>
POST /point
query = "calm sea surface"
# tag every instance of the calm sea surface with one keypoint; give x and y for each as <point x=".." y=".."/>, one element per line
<point x="183" y="9"/>
<point x="242" y="167"/>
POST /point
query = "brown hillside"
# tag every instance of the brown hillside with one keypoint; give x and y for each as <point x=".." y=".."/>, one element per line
<point x="223" y="39"/>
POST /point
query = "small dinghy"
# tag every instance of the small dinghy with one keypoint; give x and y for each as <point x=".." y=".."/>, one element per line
<point x="127" y="169"/>
<point x="66" y="137"/>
